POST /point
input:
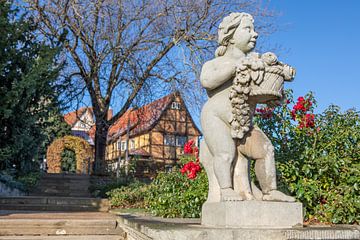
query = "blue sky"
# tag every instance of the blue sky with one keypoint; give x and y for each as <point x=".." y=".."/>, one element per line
<point x="321" y="39"/>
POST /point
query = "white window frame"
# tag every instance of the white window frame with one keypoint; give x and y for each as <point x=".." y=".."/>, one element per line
<point x="169" y="140"/>
<point x="175" y="105"/>
<point x="132" y="144"/>
<point x="123" y="145"/>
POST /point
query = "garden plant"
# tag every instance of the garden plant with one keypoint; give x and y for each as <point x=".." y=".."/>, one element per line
<point x="317" y="157"/>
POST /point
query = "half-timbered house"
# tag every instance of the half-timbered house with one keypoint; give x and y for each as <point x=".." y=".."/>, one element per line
<point x="153" y="135"/>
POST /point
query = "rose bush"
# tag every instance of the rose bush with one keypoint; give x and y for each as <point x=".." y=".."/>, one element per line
<point x="317" y="157"/>
<point x="181" y="192"/>
<point x="317" y="160"/>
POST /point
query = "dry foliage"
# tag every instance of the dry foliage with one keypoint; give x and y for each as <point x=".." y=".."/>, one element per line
<point x="82" y="149"/>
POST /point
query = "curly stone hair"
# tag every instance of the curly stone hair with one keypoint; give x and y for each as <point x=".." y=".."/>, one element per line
<point x="227" y="29"/>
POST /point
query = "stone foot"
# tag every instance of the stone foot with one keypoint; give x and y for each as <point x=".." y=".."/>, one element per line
<point x="275" y="195"/>
<point x="228" y="195"/>
<point x="247" y="195"/>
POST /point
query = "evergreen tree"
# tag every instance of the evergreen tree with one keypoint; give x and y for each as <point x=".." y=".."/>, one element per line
<point x="28" y="100"/>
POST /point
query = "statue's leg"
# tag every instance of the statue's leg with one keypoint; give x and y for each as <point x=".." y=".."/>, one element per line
<point x="222" y="147"/>
<point x="259" y="147"/>
<point x="206" y="159"/>
<point x="242" y="177"/>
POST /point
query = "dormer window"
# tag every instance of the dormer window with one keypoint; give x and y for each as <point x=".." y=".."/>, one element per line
<point x="175" y="105"/>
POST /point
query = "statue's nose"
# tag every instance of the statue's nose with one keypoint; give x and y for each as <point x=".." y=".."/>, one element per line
<point x="255" y="35"/>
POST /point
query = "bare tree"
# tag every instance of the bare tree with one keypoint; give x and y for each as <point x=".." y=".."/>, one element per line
<point x="126" y="47"/>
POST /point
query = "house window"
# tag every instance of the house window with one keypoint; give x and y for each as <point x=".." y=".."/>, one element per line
<point x="82" y="125"/>
<point x="180" y="140"/>
<point x="123" y="145"/>
<point x="132" y="144"/>
<point x="168" y="168"/>
<point x="175" y="105"/>
<point x="119" y="145"/>
<point x="169" y="140"/>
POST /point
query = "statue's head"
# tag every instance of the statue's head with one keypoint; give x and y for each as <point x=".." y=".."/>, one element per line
<point x="237" y="29"/>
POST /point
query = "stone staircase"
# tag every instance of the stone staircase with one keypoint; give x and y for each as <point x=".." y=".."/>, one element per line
<point x="58" y="192"/>
<point x="59" y="225"/>
<point x="59" y="208"/>
<point x="64" y="185"/>
<point x="44" y="203"/>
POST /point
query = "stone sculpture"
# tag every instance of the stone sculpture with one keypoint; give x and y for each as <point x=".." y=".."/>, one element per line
<point x="236" y="80"/>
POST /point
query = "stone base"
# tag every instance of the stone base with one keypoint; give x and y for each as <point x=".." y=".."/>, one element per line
<point x="252" y="214"/>
<point x="138" y="226"/>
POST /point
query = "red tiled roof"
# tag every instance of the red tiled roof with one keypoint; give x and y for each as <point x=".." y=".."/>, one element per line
<point x="72" y="117"/>
<point x="142" y="119"/>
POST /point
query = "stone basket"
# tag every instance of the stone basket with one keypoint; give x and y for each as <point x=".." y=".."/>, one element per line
<point x="271" y="87"/>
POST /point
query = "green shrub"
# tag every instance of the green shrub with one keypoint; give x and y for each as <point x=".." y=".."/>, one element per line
<point x="68" y="161"/>
<point x="100" y="189"/>
<point x="174" y="195"/>
<point x="318" y="163"/>
<point x="131" y="196"/>
<point x="29" y="180"/>
<point x="171" y="194"/>
<point x="9" y="181"/>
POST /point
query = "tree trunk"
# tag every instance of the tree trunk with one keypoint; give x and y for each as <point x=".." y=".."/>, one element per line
<point x="102" y="129"/>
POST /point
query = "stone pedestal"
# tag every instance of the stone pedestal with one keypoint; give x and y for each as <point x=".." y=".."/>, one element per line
<point x="252" y="214"/>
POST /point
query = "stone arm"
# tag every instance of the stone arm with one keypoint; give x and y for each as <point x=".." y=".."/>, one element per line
<point x="216" y="72"/>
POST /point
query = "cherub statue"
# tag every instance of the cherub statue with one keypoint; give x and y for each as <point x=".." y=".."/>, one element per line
<point x="237" y="80"/>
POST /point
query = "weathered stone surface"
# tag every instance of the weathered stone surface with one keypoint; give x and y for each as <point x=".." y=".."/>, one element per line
<point x="63" y="185"/>
<point x="27" y="223"/>
<point x="76" y="237"/>
<point x="44" y="203"/>
<point x="236" y="80"/>
<point x="146" y="228"/>
<point x="252" y="214"/>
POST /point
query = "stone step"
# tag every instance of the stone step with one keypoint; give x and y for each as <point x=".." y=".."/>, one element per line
<point x="72" y="183"/>
<point x="67" y="237"/>
<point x="33" y="207"/>
<point x="53" y="203"/>
<point x="65" y="176"/>
<point x="65" y="181"/>
<point x="47" y="193"/>
<point x="83" y="188"/>
<point x="53" y="200"/>
<point x="66" y="192"/>
<point x="58" y="225"/>
<point x="10" y="227"/>
<point x="67" y="185"/>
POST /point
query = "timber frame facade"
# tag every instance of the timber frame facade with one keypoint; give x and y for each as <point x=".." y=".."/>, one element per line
<point x="153" y="135"/>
